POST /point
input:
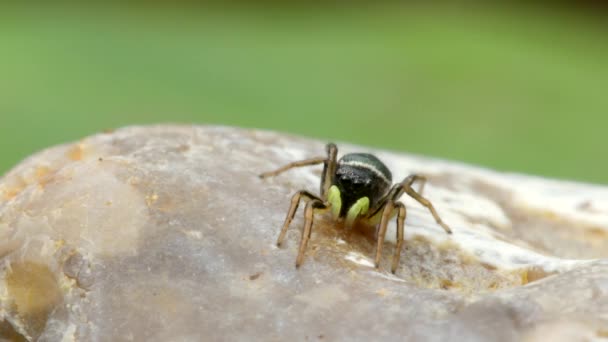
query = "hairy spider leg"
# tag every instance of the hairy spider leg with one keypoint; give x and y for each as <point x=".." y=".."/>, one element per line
<point x="400" y="223"/>
<point x="329" y="168"/>
<point x="406" y="186"/>
<point x="395" y="193"/>
<point x="387" y="212"/>
<point x="389" y="205"/>
<point x="309" y="212"/>
<point x="422" y="181"/>
<point x="295" y="201"/>
<point x="299" y="163"/>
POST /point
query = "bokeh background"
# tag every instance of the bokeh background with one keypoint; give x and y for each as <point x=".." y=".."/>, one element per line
<point x="513" y="86"/>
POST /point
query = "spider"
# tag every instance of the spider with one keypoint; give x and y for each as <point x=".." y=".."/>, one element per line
<point x="357" y="187"/>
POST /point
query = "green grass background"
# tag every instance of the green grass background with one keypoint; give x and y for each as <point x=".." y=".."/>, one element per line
<point x="513" y="88"/>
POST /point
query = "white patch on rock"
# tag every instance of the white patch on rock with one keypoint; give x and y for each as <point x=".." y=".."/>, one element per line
<point x="359" y="259"/>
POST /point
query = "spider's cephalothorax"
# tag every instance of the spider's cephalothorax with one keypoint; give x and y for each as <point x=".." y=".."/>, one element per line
<point x="355" y="188"/>
<point x="359" y="183"/>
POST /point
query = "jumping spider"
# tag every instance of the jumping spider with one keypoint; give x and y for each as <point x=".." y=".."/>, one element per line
<point x="355" y="188"/>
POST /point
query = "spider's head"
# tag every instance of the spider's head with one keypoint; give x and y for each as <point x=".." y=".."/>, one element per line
<point x="360" y="180"/>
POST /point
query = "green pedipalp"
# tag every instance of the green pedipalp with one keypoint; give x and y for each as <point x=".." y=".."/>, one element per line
<point x="359" y="208"/>
<point x="334" y="199"/>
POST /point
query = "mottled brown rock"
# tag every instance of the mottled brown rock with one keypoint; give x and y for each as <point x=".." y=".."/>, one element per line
<point x="166" y="233"/>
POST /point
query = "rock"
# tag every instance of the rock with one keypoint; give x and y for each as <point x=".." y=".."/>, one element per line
<point x="166" y="233"/>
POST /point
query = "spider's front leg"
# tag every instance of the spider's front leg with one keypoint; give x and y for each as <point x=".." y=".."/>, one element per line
<point x="295" y="202"/>
<point x="389" y="205"/>
<point x="299" y="163"/>
<point x="329" y="167"/>
<point x="314" y="203"/>
<point x="388" y="211"/>
<point x="309" y="213"/>
<point x="400" y="231"/>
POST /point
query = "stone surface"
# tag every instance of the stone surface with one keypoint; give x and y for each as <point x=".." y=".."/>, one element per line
<point x="165" y="233"/>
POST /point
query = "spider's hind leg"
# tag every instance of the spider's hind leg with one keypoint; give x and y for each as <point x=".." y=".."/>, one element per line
<point x="406" y="186"/>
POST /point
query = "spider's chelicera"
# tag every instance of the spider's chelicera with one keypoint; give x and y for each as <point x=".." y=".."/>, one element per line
<point x="355" y="188"/>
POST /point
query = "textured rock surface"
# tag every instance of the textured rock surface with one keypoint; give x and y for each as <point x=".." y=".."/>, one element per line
<point x="165" y="233"/>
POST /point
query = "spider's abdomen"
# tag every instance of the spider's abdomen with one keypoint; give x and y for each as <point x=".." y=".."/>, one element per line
<point x="361" y="175"/>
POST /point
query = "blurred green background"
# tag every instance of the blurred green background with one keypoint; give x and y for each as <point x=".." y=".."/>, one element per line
<point x="513" y="87"/>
